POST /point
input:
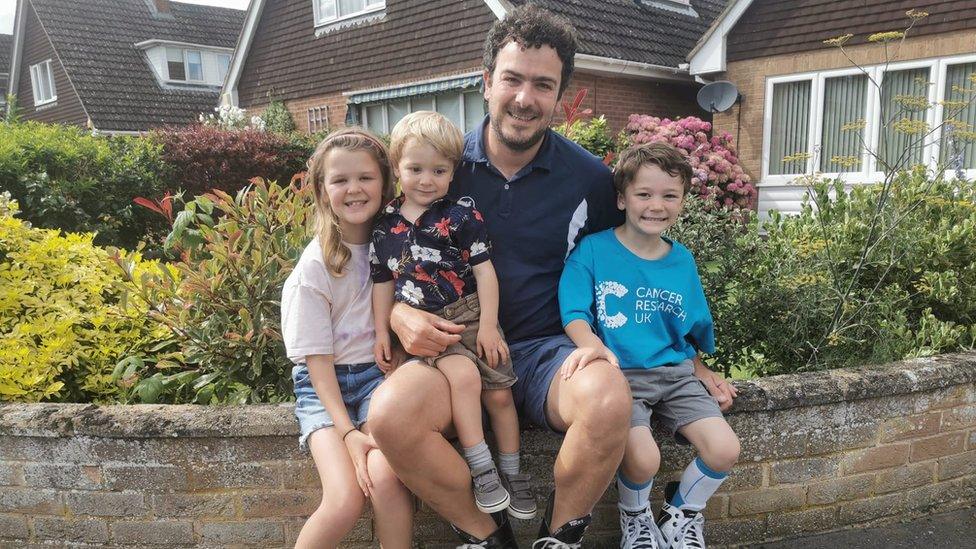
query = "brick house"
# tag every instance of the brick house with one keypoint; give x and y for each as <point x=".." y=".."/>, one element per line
<point x="6" y="44"/>
<point x="798" y="92"/>
<point x="335" y="62"/>
<point x="119" y="65"/>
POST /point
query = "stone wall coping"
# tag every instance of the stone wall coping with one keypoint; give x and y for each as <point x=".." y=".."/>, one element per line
<point x="764" y="394"/>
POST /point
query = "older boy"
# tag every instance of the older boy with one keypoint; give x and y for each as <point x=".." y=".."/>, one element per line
<point x="640" y="292"/>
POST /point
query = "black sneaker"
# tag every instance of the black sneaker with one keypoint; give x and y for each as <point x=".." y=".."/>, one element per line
<point x="502" y="538"/>
<point x="637" y="530"/>
<point x="567" y="536"/>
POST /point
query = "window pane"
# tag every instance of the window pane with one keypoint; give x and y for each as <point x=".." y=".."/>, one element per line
<point x="223" y="63"/>
<point x="374" y="119"/>
<point x="897" y="148"/>
<point x="174" y="64"/>
<point x="449" y="104"/>
<point x="194" y="64"/>
<point x="327" y="9"/>
<point x="35" y="83"/>
<point x="421" y="104"/>
<point x="959" y="114"/>
<point x="790" y="127"/>
<point x="845" y="99"/>
<point x="372" y="3"/>
<point x="397" y="110"/>
<point x="47" y="77"/>
<point x="474" y="110"/>
<point x="350" y="6"/>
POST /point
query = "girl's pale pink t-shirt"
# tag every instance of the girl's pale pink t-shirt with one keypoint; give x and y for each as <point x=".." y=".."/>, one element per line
<point x="322" y="314"/>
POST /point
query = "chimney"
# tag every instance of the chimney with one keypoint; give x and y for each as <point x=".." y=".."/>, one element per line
<point x="159" y="8"/>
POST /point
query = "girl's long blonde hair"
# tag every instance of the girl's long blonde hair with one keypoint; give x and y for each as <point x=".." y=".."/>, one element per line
<point x="335" y="254"/>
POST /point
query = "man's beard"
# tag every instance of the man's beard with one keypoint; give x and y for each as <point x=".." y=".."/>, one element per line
<point x="519" y="145"/>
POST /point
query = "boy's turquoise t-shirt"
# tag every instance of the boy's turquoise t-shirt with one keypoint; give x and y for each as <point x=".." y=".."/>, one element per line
<point x="648" y="312"/>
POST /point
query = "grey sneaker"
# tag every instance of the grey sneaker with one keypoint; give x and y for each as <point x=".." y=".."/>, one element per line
<point x="489" y="494"/>
<point x="523" y="504"/>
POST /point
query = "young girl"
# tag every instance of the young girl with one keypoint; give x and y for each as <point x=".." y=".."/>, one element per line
<point x="327" y="327"/>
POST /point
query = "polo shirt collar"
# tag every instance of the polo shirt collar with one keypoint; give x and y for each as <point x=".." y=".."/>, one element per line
<point x="474" y="150"/>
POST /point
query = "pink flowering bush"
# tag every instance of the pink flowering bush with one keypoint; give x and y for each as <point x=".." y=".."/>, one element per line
<point x="717" y="173"/>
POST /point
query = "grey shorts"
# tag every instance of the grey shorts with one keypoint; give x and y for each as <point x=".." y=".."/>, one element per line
<point x="672" y="395"/>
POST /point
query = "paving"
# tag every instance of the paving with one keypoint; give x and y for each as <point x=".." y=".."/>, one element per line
<point x="956" y="529"/>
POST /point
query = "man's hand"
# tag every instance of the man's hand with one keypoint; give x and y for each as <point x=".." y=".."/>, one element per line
<point x="578" y="359"/>
<point x="721" y="390"/>
<point x="492" y="346"/>
<point x="423" y="333"/>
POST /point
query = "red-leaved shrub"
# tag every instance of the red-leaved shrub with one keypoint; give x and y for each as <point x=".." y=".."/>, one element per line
<point x="200" y="158"/>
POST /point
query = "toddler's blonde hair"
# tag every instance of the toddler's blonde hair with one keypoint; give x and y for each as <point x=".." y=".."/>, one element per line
<point x="427" y="127"/>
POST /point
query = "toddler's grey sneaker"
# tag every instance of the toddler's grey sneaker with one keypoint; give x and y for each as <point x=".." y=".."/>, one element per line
<point x="523" y="504"/>
<point x="489" y="494"/>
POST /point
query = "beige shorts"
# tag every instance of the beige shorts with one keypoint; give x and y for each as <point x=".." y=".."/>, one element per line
<point x="467" y="311"/>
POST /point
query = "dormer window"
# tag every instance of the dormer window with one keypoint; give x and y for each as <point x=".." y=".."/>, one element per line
<point x="330" y="11"/>
<point x="184" y="65"/>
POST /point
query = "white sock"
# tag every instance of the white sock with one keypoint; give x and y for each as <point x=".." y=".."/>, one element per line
<point x="478" y="458"/>
<point x="698" y="483"/>
<point x="633" y="496"/>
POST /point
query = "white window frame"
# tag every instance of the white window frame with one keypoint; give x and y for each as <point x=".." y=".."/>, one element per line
<point x="364" y="117"/>
<point x="319" y="21"/>
<point x="186" y="66"/>
<point x="318" y="119"/>
<point x="35" y="72"/>
<point x="869" y="171"/>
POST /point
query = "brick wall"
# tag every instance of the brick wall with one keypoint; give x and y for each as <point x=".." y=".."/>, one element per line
<point x="820" y="452"/>
<point x="750" y="77"/>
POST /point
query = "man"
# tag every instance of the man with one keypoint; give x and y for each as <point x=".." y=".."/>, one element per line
<point x="539" y="194"/>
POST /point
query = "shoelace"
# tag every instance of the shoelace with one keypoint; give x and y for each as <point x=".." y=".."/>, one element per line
<point x="553" y="543"/>
<point x="472" y="546"/>
<point x="691" y="532"/>
<point x="640" y="533"/>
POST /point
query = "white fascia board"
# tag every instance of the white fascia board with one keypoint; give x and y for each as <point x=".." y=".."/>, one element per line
<point x="146" y="44"/>
<point x="708" y="55"/>
<point x="499" y="7"/>
<point x="620" y="67"/>
<point x="20" y="24"/>
<point x="228" y="93"/>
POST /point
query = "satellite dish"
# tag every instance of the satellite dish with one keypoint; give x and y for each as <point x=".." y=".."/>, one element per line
<point x="718" y="96"/>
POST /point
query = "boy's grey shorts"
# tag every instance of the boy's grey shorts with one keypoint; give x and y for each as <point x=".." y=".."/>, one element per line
<point x="672" y="394"/>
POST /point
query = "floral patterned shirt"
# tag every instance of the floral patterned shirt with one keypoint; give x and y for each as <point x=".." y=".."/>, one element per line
<point x="431" y="260"/>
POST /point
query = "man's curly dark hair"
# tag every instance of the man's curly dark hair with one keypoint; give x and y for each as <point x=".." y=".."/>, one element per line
<point x="531" y="27"/>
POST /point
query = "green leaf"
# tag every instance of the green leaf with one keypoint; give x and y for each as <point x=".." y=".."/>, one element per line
<point x="150" y="389"/>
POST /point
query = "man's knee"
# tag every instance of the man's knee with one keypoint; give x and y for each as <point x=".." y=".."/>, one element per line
<point x="390" y="411"/>
<point x="604" y="397"/>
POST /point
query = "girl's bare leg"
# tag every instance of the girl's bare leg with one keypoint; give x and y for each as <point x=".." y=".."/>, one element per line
<point x="342" y="499"/>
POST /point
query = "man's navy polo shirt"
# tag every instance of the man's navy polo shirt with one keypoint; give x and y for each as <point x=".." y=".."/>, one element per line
<point x="534" y="220"/>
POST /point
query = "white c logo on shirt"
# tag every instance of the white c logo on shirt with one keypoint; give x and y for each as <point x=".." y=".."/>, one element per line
<point x="604" y="289"/>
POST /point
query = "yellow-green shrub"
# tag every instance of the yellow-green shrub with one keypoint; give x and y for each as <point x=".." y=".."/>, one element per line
<point x="63" y="325"/>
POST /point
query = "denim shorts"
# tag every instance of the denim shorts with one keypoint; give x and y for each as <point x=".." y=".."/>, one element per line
<point x="356" y="383"/>
<point x="536" y="362"/>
